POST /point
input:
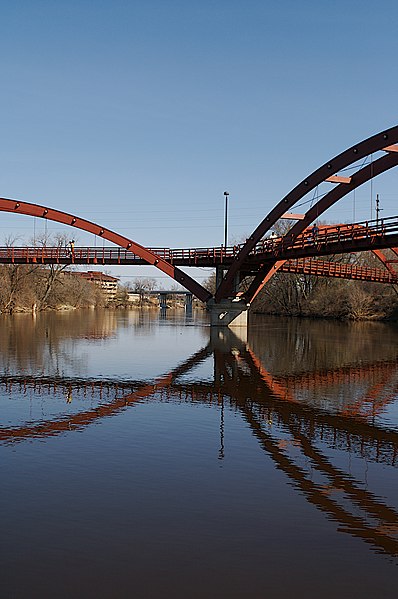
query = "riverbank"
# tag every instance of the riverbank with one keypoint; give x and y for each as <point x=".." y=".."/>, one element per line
<point x="289" y="295"/>
<point x="31" y="289"/>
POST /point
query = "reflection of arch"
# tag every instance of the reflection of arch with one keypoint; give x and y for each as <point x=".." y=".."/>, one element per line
<point x="17" y="207"/>
<point x="372" y="144"/>
<point x="262" y="400"/>
<point x="79" y="420"/>
<point x="281" y="398"/>
<point x="362" y="176"/>
<point x="362" y="408"/>
<point x="275" y="400"/>
<point x="381" y="534"/>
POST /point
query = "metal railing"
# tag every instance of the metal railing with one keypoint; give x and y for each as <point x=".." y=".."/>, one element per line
<point x="320" y="237"/>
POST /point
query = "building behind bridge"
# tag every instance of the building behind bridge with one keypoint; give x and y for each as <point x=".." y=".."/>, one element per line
<point x="107" y="283"/>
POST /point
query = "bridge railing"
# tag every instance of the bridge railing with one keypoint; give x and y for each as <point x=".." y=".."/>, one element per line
<point x="338" y="269"/>
<point x="323" y="235"/>
<point x="330" y="234"/>
<point x="80" y="254"/>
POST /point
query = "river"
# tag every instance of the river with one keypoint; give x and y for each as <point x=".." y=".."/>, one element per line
<point x="145" y="455"/>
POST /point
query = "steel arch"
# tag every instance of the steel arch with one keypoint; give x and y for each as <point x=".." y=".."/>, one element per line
<point x="18" y="207"/>
<point x="361" y="150"/>
<point x="384" y="260"/>
<point x="359" y="178"/>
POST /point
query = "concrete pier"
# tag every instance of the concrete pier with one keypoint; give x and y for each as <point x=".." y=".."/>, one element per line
<point x="228" y="313"/>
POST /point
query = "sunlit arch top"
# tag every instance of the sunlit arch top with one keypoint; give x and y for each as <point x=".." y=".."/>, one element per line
<point x="386" y="162"/>
<point x="380" y="141"/>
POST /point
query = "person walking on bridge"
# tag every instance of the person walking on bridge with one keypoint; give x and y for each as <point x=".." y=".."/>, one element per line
<point x="315" y="232"/>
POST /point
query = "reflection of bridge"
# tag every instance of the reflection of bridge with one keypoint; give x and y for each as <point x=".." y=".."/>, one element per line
<point x="299" y="441"/>
<point x="378" y="381"/>
<point x="257" y="257"/>
<point x="290" y="431"/>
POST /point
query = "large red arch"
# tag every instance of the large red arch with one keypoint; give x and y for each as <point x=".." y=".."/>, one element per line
<point x="18" y="207"/>
<point x="362" y="176"/>
<point x="390" y="160"/>
<point x="361" y="150"/>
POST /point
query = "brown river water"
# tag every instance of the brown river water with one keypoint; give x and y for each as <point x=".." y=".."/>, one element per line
<point x="146" y="455"/>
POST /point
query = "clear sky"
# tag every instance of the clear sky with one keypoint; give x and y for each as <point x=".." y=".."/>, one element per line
<point x="138" y="115"/>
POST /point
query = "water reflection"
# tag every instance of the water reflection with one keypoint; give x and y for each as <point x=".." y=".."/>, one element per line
<point x="310" y="399"/>
<point x="289" y="432"/>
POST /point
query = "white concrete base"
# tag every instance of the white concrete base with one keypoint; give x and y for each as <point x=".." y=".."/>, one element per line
<point x="228" y="314"/>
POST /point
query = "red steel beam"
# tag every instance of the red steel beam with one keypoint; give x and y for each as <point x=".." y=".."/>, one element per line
<point x="338" y="179"/>
<point x="393" y="148"/>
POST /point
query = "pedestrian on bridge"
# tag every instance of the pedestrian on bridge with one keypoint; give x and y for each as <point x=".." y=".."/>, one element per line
<point x="72" y="248"/>
<point x="272" y="238"/>
<point x="315" y="232"/>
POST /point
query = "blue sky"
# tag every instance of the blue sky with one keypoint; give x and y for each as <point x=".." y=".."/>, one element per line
<point x="138" y="115"/>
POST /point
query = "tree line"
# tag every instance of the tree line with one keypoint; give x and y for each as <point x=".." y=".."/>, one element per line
<point x="33" y="287"/>
<point x="29" y="287"/>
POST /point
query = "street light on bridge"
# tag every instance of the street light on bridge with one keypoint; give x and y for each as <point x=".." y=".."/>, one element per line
<point x="226" y="194"/>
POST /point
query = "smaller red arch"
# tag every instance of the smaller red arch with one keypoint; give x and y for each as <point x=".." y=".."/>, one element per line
<point x="19" y="207"/>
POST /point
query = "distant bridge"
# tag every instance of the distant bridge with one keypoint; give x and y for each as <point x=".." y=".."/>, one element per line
<point x="165" y="294"/>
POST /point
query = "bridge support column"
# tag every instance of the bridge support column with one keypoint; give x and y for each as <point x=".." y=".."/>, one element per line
<point x="220" y="272"/>
<point x="163" y="300"/>
<point x="188" y="304"/>
<point x="228" y="313"/>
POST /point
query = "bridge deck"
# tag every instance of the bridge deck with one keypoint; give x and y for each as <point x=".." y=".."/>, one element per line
<point x="329" y="240"/>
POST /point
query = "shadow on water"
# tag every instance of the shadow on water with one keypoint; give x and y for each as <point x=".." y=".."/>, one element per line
<point x="284" y="382"/>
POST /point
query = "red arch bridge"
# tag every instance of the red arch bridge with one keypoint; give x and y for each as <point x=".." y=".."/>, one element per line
<point x="259" y="257"/>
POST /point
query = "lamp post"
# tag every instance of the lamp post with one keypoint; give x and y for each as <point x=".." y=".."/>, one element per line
<point x="378" y="210"/>
<point x="226" y="194"/>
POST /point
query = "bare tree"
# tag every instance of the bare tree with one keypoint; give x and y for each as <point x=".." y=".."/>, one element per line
<point x="143" y="286"/>
<point x="50" y="275"/>
<point x="14" y="282"/>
